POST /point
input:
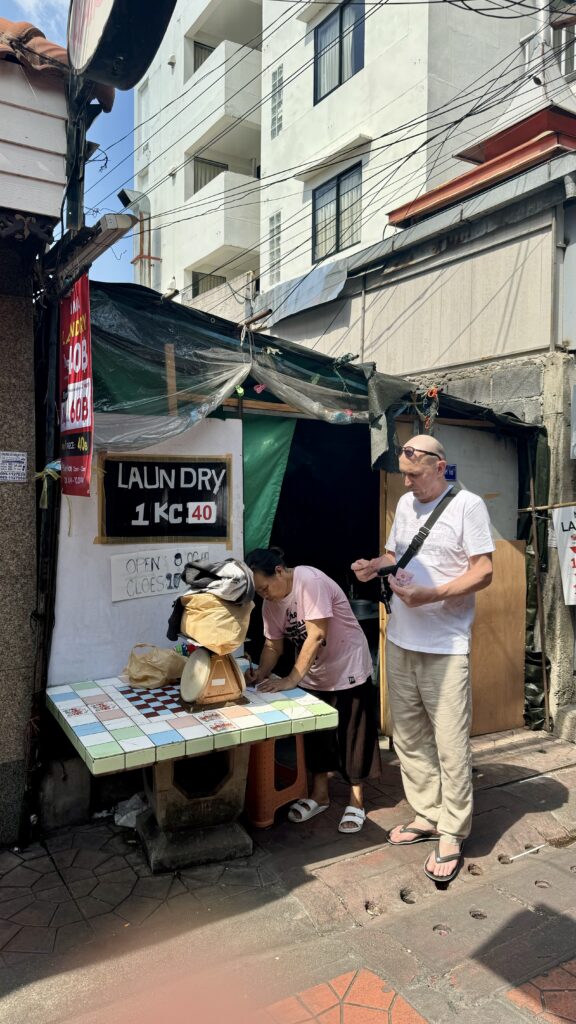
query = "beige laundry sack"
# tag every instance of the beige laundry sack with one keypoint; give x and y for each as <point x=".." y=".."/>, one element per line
<point x="153" y="666"/>
<point x="215" y="624"/>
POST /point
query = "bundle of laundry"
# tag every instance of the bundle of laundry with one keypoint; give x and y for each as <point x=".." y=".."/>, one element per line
<point x="215" y="611"/>
<point x="231" y="580"/>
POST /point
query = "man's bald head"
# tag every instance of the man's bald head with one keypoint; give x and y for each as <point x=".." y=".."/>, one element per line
<point x="426" y="443"/>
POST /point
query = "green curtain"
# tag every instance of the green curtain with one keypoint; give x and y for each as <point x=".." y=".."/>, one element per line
<point x="266" y="441"/>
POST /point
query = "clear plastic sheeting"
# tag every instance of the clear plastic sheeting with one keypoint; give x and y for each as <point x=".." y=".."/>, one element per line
<point x="159" y="367"/>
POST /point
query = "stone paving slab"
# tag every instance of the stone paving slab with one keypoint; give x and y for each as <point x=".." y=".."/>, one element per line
<point x="311" y="904"/>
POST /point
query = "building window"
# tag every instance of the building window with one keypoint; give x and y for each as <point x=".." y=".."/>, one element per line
<point x="205" y="171"/>
<point x="526" y="47"/>
<point x="337" y="214"/>
<point x="338" y="48"/>
<point x="202" y="283"/>
<point x="274" y="233"/>
<point x="201" y="53"/>
<point x="563" y="44"/>
<point x="143" y="116"/>
<point x="276" y="101"/>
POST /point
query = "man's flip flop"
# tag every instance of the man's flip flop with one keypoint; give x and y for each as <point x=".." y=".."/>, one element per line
<point x="354" y="817"/>
<point x="458" y="857"/>
<point x="305" y="809"/>
<point x="421" y="836"/>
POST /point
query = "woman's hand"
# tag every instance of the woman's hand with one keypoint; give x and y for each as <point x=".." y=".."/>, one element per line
<point x="274" y="684"/>
<point x="251" y="676"/>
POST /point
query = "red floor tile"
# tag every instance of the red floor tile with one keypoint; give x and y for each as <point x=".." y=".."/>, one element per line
<point x="527" y="997"/>
<point x="561" y="1003"/>
<point x="342" y="983"/>
<point x="363" y="1015"/>
<point x="358" y="997"/>
<point x="559" y="979"/>
<point x="289" y="1011"/>
<point x="402" y="1013"/>
<point x="369" y="990"/>
<point x="320" y="998"/>
<point x="331" y="1016"/>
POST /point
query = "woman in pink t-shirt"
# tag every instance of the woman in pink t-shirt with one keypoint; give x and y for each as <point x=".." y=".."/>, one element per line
<point x="332" y="660"/>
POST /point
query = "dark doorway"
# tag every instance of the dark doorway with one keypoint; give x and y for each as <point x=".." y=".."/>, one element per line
<point x="328" y="512"/>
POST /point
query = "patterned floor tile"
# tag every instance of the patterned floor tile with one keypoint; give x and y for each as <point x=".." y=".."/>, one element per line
<point x="359" y="997"/>
<point x="550" y="997"/>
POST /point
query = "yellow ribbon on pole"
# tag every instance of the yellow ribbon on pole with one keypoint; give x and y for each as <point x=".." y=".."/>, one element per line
<point x="52" y="472"/>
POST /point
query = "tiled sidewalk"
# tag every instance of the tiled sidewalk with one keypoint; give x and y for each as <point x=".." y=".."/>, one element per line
<point x="358" y="997"/>
<point x="550" y="997"/>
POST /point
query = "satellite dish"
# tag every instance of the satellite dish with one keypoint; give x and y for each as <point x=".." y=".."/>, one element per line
<point x="114" y="41"/>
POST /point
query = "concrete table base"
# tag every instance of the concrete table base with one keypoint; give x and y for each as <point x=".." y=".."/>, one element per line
<point x="194" y="806"/>
<point x="169" y="851"/>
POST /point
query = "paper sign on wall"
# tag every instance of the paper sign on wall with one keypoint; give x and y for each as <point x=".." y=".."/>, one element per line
<point x="153" y="573"/>
<point x="564" y="520"/>
<point x="13" y="467"/>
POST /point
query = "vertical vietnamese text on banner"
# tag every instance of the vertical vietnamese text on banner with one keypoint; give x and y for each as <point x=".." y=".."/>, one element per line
<point x="76" y="411"/>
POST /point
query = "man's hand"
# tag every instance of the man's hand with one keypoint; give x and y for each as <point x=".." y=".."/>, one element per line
<point x="411" y="594"/>
<point x="251" y="676"/>
<point x="363" y="569"/>
<point x="274" y="685"/>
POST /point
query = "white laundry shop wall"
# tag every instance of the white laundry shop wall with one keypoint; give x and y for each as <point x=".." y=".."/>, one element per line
<point x="93" y="635"/>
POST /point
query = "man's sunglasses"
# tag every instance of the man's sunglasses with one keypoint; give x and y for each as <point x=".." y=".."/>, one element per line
<point x="410" y="452"/>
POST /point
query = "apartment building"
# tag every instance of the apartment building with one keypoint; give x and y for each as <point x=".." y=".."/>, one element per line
<point x="273" y="136"/>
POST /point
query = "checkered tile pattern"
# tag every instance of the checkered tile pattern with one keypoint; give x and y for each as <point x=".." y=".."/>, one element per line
<point x="161" y="701"/>
<point x="114" y="726"/>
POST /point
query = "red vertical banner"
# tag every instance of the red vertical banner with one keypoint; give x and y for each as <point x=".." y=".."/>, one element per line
<point x="76" y="408"/>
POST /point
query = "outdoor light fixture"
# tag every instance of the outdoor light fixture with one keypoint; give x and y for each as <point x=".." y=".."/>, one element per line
<point x="70" y="257"/>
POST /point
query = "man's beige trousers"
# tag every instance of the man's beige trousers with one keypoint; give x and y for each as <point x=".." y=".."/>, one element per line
<point x="431" y="707"/>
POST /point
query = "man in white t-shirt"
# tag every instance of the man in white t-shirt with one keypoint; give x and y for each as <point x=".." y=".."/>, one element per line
<point x="427" y="651"/>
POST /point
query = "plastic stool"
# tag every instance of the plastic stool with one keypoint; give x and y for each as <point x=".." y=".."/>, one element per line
<point x="262" y="797"/>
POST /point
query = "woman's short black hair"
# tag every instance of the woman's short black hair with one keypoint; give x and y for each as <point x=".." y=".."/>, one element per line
<point x="265" y="560"/>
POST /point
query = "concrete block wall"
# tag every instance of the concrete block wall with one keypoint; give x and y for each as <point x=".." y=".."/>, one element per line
<point x="511" y="385"/>
<point x="18" y="533"/>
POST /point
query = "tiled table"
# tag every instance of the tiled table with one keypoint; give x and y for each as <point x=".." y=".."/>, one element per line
<point x="115" y="727"/>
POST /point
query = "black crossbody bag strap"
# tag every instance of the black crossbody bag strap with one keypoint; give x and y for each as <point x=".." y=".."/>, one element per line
<point x="419" y="538"/>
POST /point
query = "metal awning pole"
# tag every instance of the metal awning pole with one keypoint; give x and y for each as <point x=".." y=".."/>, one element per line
<point x="539" y="606"/>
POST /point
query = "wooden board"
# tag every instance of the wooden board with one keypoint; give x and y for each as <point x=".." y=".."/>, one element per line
<point x="498" y="644"/>
<point x="498" y="635"/>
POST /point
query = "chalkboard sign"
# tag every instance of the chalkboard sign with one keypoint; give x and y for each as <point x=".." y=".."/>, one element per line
<point x="165" y="498"/>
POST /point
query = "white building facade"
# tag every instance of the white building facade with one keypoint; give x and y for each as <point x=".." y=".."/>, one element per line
<point x="273" y="136"/>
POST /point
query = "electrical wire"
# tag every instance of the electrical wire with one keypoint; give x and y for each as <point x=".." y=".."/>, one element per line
<point x="484" y="105"/>
<point x="197" y="81"/>
<point x="255" y="107"/>
<point x="240" y="191"/>
<point x="405" y="159"/>
<point x="303" y="216"/>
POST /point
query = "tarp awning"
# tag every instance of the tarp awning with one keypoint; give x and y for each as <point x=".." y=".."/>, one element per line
<point x="160" y="366"/>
